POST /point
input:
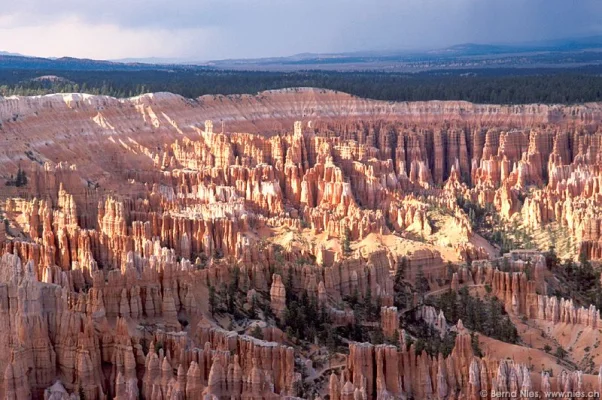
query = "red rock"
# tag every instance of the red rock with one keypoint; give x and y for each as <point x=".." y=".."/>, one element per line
<point x="100" y="253"/>
<point x="278" y="296"/>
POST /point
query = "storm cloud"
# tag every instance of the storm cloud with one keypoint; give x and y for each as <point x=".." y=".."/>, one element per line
<point x="215" y="29"/>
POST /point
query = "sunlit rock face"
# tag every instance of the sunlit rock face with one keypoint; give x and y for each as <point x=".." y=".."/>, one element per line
<point x="136" y="211"/>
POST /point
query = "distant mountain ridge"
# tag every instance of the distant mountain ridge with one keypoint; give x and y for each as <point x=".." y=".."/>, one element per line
<point x="70" y="64"/>
<point x="6" y="53"/>
<point x="588" y="49"/>
<point x="560" y="52"/>
<point x="557" y="45"/>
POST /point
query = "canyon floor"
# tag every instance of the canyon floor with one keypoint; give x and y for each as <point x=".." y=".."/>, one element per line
<point x="299" y="243"/>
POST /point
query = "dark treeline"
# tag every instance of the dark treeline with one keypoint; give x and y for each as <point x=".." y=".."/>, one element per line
<point x="483" y="86"/>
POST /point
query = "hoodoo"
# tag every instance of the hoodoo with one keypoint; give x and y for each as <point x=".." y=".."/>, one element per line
<point x="320" y="246"/>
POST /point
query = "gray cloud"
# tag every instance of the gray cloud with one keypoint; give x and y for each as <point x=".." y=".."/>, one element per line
<point x="206" y="29"/>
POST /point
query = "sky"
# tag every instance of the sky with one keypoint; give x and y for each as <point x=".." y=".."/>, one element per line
<point x="200" y="30"/>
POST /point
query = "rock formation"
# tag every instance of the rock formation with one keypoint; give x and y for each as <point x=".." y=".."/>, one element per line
<point x="142" y="234"/>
